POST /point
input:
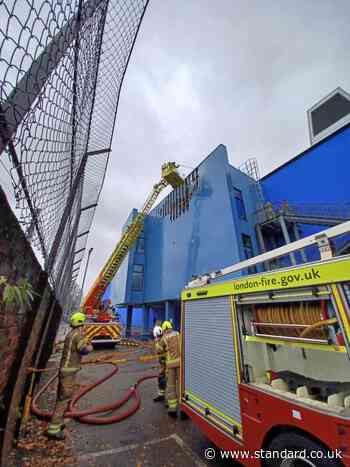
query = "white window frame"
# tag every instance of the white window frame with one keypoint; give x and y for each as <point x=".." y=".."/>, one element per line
<point x="333" y="128"/>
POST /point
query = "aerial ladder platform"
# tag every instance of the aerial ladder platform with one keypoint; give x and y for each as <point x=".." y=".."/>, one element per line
<point x="101" y="326"/>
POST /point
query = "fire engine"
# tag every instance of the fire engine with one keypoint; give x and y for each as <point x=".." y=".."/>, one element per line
<point x="265" y="371"/>
<point x="102" y="326"/>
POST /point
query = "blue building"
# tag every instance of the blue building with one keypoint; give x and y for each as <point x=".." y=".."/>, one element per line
<point x="222" y="215"/>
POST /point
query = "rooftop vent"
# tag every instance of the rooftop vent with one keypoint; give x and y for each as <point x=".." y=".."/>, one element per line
<point x="328" y="115"/>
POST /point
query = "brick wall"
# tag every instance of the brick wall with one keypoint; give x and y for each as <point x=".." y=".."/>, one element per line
<point x="20" y="335"/>
<point x="9" y="340"/>
<point x="17" y="261"/>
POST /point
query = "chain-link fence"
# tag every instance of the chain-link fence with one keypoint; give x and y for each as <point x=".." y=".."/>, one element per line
<point x="62" y="63"/>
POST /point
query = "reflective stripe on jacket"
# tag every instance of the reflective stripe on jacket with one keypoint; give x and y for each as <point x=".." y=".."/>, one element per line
<point x="170" y="345"/>
<point x="73" y="344"/>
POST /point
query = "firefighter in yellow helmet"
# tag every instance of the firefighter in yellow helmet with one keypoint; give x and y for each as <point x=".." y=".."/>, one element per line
<point x="169" y="344"/>
<point x="75" y="345"/>
<point x="157" y="334"/>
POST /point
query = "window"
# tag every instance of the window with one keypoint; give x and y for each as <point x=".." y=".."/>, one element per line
<point x="329" y="114"/>
<point x="137" y="277"/>
<point x="248" y="251"/>
<point x="141" y="245"/>
<point x="239" y="204"/>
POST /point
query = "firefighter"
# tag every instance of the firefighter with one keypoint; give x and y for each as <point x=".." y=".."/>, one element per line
<point x="157" y="334"/>
<point x="75" y="345"/>
<point x="169" y="344"/>
<point x="157" y="328"/>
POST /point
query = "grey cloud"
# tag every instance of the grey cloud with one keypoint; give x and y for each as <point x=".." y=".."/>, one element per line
<point x="240" y="73"/>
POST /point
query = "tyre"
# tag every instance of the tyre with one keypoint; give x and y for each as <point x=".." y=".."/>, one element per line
<point x="296" y="450"/>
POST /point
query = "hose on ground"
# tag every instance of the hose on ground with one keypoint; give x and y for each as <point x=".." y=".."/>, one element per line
<point x="86" y="416"/>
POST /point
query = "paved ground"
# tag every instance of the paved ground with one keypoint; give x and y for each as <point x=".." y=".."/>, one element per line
<point x="150" y="438"/>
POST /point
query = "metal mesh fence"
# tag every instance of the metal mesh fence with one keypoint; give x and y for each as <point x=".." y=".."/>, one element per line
<point x="62" y="63"/>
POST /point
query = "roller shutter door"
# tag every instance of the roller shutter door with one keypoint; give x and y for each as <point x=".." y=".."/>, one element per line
<point x="210" y="376"/>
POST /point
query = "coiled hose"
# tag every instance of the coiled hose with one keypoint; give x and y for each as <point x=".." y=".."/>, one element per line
<point x="318" y="325"/>
<point x="89" y="415"/>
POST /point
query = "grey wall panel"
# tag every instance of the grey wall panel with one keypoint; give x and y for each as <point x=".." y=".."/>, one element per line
<point x="210" y="365"/>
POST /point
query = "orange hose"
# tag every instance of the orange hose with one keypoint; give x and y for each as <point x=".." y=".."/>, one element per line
<point x="319" y="324"/>
<point x="308" y="314"/>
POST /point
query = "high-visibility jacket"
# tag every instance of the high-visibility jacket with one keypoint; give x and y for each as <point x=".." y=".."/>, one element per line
<point x="74" y="344"/>
<point x="169" y="344"/>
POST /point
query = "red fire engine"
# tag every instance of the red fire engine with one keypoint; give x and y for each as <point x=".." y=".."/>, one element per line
<point x="265" y="370"/>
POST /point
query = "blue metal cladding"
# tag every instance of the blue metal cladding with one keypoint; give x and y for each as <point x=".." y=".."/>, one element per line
<point x="206" y="233"/>
<point x="199" y="240"/>
<point x="121" y="288"/>
<point x="319" y="175"/>
<point x="182" y="240"/>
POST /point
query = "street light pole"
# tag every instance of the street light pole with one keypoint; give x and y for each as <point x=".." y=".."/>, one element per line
<point x="86" y="268"/>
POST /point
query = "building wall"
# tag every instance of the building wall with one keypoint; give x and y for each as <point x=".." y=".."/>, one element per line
<point x="120" y="289"/>
<point x="203" y="236"/>
<point x="243" y="226"/>
<point x="208" y="235"/>
<point x="187" y="238"/>
<point x="319" y="175"/>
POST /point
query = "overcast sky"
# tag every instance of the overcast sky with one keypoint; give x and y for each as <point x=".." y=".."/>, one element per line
<point x="203" y="72"/>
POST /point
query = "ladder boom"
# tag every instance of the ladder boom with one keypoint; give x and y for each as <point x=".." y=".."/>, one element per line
<point x="171" y="177"/>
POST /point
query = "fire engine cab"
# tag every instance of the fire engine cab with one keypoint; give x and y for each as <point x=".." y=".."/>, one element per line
<point x="103" y="325"/>
<point x="265" y="365"/>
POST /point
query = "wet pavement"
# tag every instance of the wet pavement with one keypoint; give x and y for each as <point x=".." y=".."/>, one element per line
<point x="149" y="438"/>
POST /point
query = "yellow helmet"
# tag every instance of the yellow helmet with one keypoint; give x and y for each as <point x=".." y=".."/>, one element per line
<point x="77" y="319"/>
<point x="166" y="325"/>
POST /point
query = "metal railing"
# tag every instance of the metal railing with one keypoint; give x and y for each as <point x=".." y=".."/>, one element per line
<point x="309" y="212"/>
<point x="322" y="240"/>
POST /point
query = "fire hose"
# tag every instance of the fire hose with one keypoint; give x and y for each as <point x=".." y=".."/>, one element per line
<point x="90" y="415"/>
<point x="318" y="325"/>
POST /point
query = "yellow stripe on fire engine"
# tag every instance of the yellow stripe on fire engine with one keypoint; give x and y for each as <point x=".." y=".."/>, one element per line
<point x="325" y="272"/>
<point x="114" y="330"/>
<point x="96" y="329"/>
<point x="90" y="331"/>
<point x="235" y="340"/>
<point x="214" y="410"/>
<point x="93" y="333"/>
<point x="215" y="420"/>
<point x="342" y="312"/>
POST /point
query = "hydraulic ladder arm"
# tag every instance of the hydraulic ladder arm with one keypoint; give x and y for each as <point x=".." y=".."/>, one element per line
<point x="170" y="176"/>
